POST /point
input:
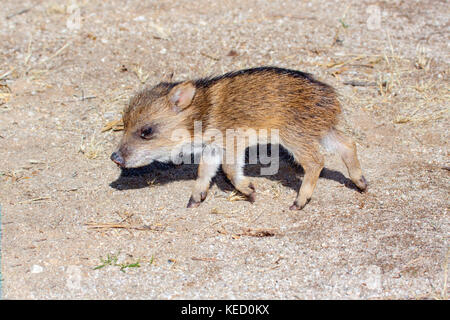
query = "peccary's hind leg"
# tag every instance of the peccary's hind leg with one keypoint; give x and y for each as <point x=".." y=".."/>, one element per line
<point x="312" y="162"/>
<point x="346" y="148"/>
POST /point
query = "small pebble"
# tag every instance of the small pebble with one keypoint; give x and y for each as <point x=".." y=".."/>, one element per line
<point x="36" y="269"/>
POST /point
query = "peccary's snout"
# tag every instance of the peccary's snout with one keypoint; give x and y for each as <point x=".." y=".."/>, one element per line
<point x="117" y="159"/>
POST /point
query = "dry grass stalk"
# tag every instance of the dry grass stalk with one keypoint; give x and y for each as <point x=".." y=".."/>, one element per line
<point x="140" y="74"/>
<point x="4" y="97"/>
<point x="7" y="73"/>
<point x="15" y="176"/>
<point x="215" y="211"/>
<point x="35" y="200"/>
<point x="235" y="196"/>
<point x="259" y="233"/>
<point x="416" y="119"/>
<point x="92" y="150"/>
<point x="422" y="60"/>
<point x="115" y="225"/>
<point x="277" y="190"/>
<point x="425" y="86"/>
<point x="209" y="56"/>
<point x="46" y="59"/>
<point x="115" y="125"/>
<point x="342" y="63"/>
<point x="161" y="32"/>
<point x="205" y="259"/>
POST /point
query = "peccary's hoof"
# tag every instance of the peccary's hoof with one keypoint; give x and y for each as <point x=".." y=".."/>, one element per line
<point x="192" y="203"/>
<point x="252" y="196"/>
<point x="296" y="206"/>
<point x="362" y="184"/>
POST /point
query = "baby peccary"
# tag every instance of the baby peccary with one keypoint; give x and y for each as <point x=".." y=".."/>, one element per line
<point x="302" y="110"/>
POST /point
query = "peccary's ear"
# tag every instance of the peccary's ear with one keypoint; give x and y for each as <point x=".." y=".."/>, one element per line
<point x="181" y="95"/>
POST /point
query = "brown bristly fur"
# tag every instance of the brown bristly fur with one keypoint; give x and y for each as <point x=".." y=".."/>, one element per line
<point x="303" y="110"/>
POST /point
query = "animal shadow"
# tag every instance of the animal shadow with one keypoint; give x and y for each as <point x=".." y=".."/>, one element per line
<point x="158" y="173"/>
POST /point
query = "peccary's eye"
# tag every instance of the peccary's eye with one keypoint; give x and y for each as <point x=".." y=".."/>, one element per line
<point x="146" y="133"/>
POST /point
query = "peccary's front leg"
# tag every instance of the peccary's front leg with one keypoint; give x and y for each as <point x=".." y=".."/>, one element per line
<point x="209" y="163"/>
<point x="235" y="173"/>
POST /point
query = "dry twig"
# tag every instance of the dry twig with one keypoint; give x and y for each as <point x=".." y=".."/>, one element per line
<point x="115" y="225"/>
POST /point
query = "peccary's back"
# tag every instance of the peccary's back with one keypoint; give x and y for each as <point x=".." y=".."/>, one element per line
<point x="269" y="97"/>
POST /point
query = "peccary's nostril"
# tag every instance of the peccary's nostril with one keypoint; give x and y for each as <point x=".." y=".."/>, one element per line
<point x="116" y="158"/>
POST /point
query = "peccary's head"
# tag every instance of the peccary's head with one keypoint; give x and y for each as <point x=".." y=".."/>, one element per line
<point x="151" y="120"/>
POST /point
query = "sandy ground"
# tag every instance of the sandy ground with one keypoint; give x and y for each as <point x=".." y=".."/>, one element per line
<point x="74" y="226"/>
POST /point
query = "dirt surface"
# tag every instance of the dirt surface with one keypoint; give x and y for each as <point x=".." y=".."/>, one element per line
<point x="74" y="226"/>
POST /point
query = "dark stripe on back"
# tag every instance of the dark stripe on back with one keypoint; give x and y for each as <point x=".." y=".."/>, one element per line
<point x="208" y="81"/>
